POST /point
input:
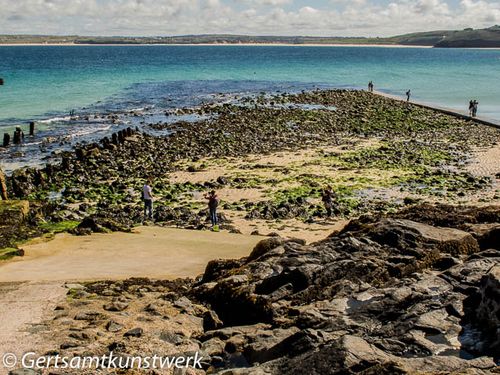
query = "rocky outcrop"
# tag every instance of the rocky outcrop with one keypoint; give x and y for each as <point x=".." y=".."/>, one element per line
<point x="3" y="186"/>
<point x="382" y="296"/>
<point x="488" y="311"/>
<point x="13" y="220"/>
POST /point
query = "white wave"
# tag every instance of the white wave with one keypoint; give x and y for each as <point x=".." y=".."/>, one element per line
<point x="57" y="119"/>
<point x="89" y="131"/>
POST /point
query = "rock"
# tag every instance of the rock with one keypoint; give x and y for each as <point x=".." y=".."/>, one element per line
<point x="69" y="345"/>
<point x="211" y="321"/>
<point x="3" y="186"/>
<point x="270" y="345"/>
<point x="184" y="304"/>
<point x="221" y="180"/>
<point x="89" y="316"/>
<point x="488" y="235"/>
<point x="264" y="246"/>
<point x="488" y="311"/>
<point x="214" y="346"/>
<point x="135" y="332"/>
<point x="74" y="286"/>
<point x="13" y="213"/>
<point x="113" y="326"/>
<point x="115" y="306"/>
<point x="448" y="240"/>
<point x="99" y="225"/>
<point x="25" y="371"/>
<point x="218" y="268"/>
<point x="171" y="338"/>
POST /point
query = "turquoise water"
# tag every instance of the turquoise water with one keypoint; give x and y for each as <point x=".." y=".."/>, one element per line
<point x="45" y="81"/>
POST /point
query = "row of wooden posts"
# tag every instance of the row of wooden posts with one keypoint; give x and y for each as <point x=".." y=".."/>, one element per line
<point x="18" y="136"/>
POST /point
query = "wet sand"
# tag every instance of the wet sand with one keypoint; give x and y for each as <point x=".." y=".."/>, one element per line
<point x="153" y="252"/>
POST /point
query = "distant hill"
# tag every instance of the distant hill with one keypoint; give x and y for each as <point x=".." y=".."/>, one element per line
<point x="468" y="38"/>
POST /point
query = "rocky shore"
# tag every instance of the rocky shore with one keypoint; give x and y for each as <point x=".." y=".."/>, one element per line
<point x="378" y="155"/>
<point x="408" y="285"/>
<point x="385" y="295"/>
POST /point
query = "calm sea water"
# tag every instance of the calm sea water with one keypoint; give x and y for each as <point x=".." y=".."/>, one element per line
<point x="43" y="83"/>
<point x="48" y="80"/>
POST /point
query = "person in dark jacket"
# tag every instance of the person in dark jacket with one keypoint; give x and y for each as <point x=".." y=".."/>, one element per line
<point x="213" y="203"/>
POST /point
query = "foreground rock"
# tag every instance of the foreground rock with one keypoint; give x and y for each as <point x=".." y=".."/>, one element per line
<point x="385" y="295"/>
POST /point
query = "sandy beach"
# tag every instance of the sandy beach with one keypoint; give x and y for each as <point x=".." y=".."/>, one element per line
<point x="154" y="252"/>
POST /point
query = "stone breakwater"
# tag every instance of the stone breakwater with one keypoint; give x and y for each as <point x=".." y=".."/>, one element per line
<point x="418" y="154"/>
<point x="385" y="295"/>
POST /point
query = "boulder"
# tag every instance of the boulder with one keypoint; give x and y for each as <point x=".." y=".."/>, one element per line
<point x="402" y="232"/>
<point x="264" y="246"/>
<point x="487" y="235"/>
<point x="3" y="186"/>
<point x="135" y="332"/>
<point x="14" y="212"/>
<point x="488" y="311"/>
<point x="211" y="321"/>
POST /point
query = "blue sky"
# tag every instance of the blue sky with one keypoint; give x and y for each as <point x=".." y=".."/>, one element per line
<point x="255" y="17"/>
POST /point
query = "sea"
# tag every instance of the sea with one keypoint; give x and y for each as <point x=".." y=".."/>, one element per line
<point x="70" y="91"/>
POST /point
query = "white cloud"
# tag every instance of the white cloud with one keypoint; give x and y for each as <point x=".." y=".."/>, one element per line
<point x="270" y="17"/>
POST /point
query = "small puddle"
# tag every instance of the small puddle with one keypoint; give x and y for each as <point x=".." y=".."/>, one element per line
<point x="439" y="339"/>
<point x="459" y="353"/>
<point x="354" y="304"/>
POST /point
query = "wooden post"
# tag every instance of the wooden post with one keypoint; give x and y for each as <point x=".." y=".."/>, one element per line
<point x="6" y="139"/>
<point x="3" y="186"/>
<point x="17" y="138"/>
<point x="32" y="128"/>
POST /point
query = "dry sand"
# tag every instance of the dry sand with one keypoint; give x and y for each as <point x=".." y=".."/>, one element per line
<point x="154" y="252"/>
<point x="22" y="308"/>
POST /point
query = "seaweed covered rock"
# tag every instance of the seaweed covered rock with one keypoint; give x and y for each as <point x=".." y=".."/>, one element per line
<point x="95" y="224"/>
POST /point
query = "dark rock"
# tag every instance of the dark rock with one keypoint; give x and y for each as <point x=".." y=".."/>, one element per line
<point x="116" y="306"/>
<point x="135" y="332"/>
<point x="113" y="326"/>
<point x="264" y="246"/>
<point x="171" y="338"/>
<point x="211" y="321"/>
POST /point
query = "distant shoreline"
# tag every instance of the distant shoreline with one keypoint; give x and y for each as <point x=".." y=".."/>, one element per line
<point x="217" y="44"/>
<point x="238" y="45"/>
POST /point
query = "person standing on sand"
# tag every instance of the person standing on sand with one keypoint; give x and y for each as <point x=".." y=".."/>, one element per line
<point x="370" y="86"/>
<point x="408" y="94"/>
<point x="471" y="107"/>
<point x="147" y="196"/>
<point x="327" y="198"/>
<point x="474" y="108"/>
<point x="213" y="203"/>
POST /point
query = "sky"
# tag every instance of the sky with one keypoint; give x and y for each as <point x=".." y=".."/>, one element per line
<point x="252" y="17"/>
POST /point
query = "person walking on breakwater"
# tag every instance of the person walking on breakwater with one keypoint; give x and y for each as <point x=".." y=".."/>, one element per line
<point x="474" y="108"/>
<point x="408" y="94"/>
<point x="147" y="197"/>
<point x="327" y="196"/>
<point x="213" y="203"/>
<point x="471" y="107"/>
